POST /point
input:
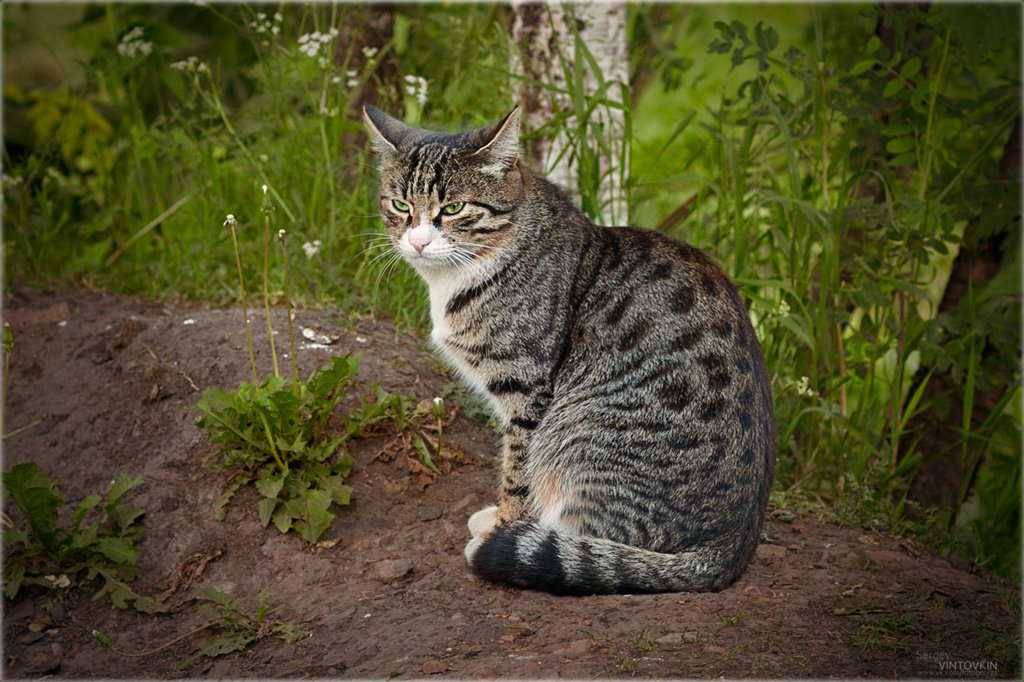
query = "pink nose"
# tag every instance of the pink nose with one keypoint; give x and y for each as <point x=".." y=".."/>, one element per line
<point x="419" y="237"/>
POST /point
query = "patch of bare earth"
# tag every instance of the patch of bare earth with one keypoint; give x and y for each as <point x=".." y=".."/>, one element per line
<point x="101" y="385"/>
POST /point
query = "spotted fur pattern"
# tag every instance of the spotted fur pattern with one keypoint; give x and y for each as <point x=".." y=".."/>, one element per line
<point x="639" y="438"/>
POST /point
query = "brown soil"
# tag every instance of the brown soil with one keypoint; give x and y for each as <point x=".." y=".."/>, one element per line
<point x="101" y="385"/>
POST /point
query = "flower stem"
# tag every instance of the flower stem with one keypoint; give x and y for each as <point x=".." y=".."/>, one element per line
<point x="288" y="303"/>
<point x="245" y="308"/>
<point x="266" y="289"/>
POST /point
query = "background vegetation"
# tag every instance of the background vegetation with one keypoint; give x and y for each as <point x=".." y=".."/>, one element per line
<point x="854" y="168"/>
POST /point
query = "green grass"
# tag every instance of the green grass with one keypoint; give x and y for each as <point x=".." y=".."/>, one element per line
<point x="755" y="135"/>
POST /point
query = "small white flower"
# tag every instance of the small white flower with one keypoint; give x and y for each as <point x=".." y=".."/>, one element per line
<point x="275" y="29"/>
<point x="783" y="308"/>
<point x="281" y="234"/>
<point x="278" y="18"/>
<point x="803" y="387"/>
<point x="369" y="52"/>
<point x="360" y="339"/>
<point x="312" y="248"/>
<point x="132" y="44"/>
<point x="188" y="321"/>
<point x="264" y="189"/>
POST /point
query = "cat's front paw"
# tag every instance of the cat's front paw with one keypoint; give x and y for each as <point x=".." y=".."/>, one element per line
<point x="480" y="526"/>
<point x="483" y="522"/>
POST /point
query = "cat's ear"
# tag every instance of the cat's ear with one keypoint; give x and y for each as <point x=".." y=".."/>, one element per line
<point x="500" y="148"/>
<point x="386" y="132"/>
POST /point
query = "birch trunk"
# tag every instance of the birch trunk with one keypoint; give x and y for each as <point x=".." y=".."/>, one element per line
<point x="545" y="35"/>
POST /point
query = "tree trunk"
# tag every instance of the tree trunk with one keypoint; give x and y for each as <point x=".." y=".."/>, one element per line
<point x="545" y="35"/>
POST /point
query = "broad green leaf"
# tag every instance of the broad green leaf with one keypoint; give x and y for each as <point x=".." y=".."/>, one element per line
<point x="217" y="597"/>
<point x="265" y="508"/>
<point x="311" y="508"/>
<point x="225" y="644"/>
<point x="862" y="66"/>
<point x="14" y="575"/>
<point x="122" y="484"/>
<point x="424" y="454"/>
<point x="900" y="145"/>
<point x="83" y="507"/>
<point x="892" y="87"/>
<point x="282" y="519"/>
<point x="117" y="550"/>
<point x="38" y="498"/>
<point x="910" y="68"/>
<point x="269" y="483"/>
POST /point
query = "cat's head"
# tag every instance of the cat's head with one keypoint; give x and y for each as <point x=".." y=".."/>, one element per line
<point x="448" y="200"/>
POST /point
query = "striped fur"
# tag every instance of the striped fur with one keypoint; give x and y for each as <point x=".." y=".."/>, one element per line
<point x="639" y="437"/>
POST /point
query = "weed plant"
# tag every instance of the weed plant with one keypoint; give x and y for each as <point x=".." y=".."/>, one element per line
<point x="97" y="544"/>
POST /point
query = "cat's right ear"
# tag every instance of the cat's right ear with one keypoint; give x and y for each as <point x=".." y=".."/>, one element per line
<point x="386" y="132"/>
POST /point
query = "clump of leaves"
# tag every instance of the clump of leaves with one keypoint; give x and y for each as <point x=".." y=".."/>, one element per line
<point x="52" y="556"/>
<point x="418" y="429"/>
<point x="274" y="434"/>
<point x="235" y="629"/>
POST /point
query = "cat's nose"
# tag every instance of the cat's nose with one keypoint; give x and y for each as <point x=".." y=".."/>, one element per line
<point x="419" y="237"/>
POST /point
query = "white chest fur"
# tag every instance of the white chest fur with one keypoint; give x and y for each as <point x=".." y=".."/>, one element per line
<point x="442" y="286"/>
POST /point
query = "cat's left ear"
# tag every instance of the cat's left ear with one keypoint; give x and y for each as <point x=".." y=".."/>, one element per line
<point x="500" y="147"/>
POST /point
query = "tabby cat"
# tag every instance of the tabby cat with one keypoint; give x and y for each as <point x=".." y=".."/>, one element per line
<point x="639" y="437"/>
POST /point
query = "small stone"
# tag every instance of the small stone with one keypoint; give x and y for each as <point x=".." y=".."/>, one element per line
<point x="31" y="637"/>
<point x="573" y="649"/>
<point x="286" y="652"/>
<point x="673" y="638"/>
<point x="429" y="512"/>
<point x="20" y="611"/>
<point x="434" y="667"/>
<point x="169" y="504"/>
<point x="691" y="636"/>
<point x="390" y="570"/>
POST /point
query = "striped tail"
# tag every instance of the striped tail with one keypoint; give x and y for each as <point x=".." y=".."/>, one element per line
<point x="525" y="555"/>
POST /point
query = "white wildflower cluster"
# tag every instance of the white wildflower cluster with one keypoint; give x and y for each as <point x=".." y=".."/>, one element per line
<point x="312" y="248"/>
<point x="783" y="310"/>
<point x="416" y="86"/>
<point x="132" y="45"/>
<point x="192" y="64"/>
<point x="310" y="43"/>
<point x="353" y="79"/>
<point x="12" y="180"/>
<point x="266" y="24"/>
<point x="369" y="52"/>
<point x="803" y="387"/>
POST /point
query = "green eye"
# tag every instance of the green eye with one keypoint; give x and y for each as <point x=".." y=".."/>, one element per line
<point x="453" y="208"/>
<point x="400" y="205"/>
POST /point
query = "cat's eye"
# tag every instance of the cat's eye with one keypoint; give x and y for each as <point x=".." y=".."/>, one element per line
<point x="400" y="205"/>
<point x="453" y="208"/>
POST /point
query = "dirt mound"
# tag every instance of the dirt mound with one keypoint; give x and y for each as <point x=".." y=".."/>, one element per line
<point x="101" y="385"/>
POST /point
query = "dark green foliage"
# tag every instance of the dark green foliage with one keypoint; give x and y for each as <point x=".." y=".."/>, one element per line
<point x="275" y="436"/>
<point x="236" y="628"/>
<point x="844" y="175"/>
<point x="51" y="555"/>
